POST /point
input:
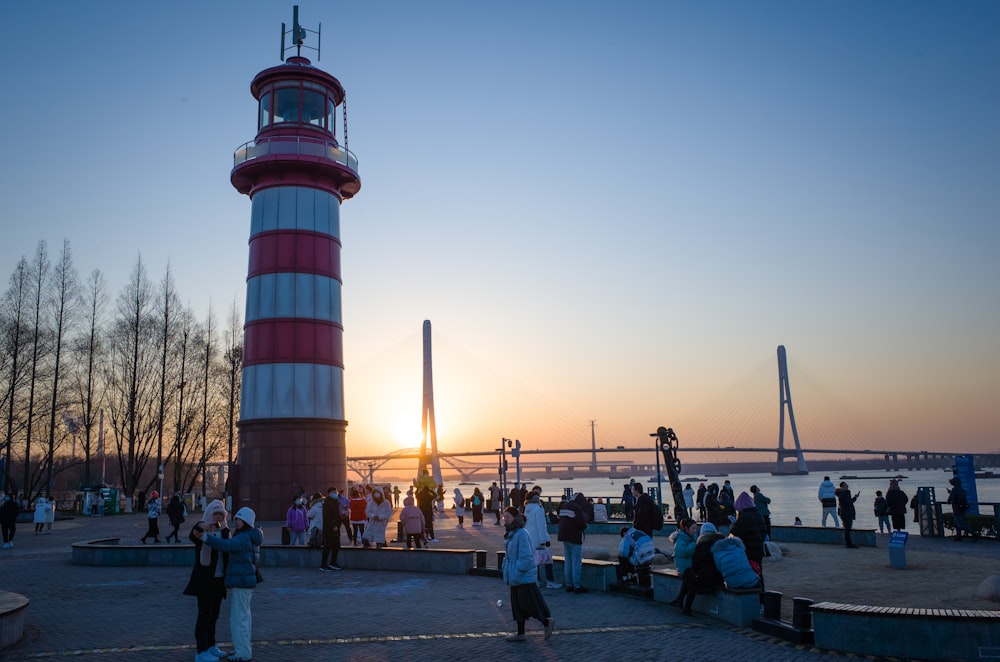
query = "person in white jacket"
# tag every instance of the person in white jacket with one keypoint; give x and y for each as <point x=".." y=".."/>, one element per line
<point x="538" y="533"/>
<point x="41" y="516"/>
<point x="827" y="496"/>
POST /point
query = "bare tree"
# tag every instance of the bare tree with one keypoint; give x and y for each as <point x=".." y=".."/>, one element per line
<point x="89" y="352"/>
<point x="183" y="428"/>
<point x="167" y="301"/>
<point x="64" y="306"/>
<point x="15" y="312"/>
<point x="132" y="387"/>
<point x="233" y="362"/>
<point x="39" y="274"/>
<point x="209" y="349"/>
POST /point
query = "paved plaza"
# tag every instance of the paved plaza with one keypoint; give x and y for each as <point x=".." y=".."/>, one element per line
<point x="126" y="614"/>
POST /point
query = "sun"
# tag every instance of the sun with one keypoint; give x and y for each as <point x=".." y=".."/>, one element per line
<point x="406" y="432"/>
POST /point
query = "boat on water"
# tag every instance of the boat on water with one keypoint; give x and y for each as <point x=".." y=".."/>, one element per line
<point x="896" y="477"/>
<point x="717" y="475"/>
<point x="790" y="473"/>
<point x="693" y="479"/>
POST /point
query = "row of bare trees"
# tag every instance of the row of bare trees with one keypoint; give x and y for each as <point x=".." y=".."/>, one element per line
<point x="144" y="374"/>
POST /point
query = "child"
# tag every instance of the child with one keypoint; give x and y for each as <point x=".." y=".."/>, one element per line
<point x="413" y="523"/>
<point x="882" y="512"/>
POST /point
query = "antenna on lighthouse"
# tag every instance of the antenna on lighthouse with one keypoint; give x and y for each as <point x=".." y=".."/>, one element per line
<point x="297" y="35"/>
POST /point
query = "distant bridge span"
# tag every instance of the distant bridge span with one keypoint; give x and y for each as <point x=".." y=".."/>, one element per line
<point x="367" y="464"/>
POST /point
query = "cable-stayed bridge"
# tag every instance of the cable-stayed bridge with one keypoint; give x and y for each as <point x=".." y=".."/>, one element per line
<point x="624" y="461"/>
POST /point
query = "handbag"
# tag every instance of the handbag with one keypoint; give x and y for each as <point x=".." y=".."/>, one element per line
<point x="543" y="556"/>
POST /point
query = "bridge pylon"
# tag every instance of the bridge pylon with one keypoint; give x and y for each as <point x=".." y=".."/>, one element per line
<point x="785" y="400"/>
<point x="428" y="457"/>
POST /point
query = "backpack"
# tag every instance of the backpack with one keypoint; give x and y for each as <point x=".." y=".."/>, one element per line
<point x="658" y="520"/>
<point x="643" y="549"/>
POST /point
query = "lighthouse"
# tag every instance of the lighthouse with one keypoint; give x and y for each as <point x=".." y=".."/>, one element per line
<point x="297" y="171"/>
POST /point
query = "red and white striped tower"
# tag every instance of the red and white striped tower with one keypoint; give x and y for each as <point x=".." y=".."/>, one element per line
<point x="296" y="172"/>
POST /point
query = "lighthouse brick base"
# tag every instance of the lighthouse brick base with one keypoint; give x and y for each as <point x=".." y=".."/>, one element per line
<point x="278" y="457"/>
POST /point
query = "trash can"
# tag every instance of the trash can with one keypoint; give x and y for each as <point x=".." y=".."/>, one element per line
<point x="897" y="549"/>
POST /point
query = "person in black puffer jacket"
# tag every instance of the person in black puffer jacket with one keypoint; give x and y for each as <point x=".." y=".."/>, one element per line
<point x="645" y="511"/>
<point x="750" y="527"/>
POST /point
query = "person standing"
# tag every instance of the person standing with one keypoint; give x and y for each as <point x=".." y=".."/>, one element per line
<point x="41" y="515"/>
<point x="572" y="523"/>
<point x="413" y="523"/>
<point x="297" y="521"/>
<point x="315" y="514"/>
<point x="700" y="498"/>
<point x="882" y="513"/>
<point x="496" y="501"/>
<point x="520" y="575"/>
<point x="243" y="555"/>
<point x="645" y="511"/>
<point x="847" y="513"/>
<point x="727" y="488"/>
<point x="515" y="497"/>
<point x="8" y="520"/>
<point x="425" y="501"/>
<point x="152" y="516"/>
<point x="175" y="513"/>
<point x="395" y="495"/>
<point x="358" y="506"/>
<point x="827" y="496"/>
<point x="332" y="519"/>
<point x="715" y="511"/>
<point x="895" y="499"/>
<point x="379" y="511"/>
<point x="207" y="581"/>
<point x="50" y="515"/>
<point x="477" y="507"/>
<point x="538" y="532"/>
<point x="762" y="503"/>
<point x="689" y="500"/>
<point x="959" y="505"/>
<point x="100" y="505"/>
<point x="460" y="508"/>
<point x="749" y="527"/>
<point x="628" y="500"/>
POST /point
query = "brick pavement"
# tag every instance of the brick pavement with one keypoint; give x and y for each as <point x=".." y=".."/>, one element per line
<point x="126" y="614"/>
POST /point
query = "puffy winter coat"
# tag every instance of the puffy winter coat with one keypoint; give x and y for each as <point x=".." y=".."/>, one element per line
<point x="519" y="557"/>
<point x="242" y="548"/>
<point x="751" y="529"/>
<point x="731" y="560"/>
<point x="534" y="516"/>
<point x="572" y="522"/>
<point x="378" y="517"/>
<point x="684" y="550"/>
<point x="412" y="518"/>
<point x="297" y="519"/>
<point x="646" y="514"/>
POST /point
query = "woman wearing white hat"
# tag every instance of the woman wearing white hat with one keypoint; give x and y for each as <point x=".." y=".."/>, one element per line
<point x="243" y="552"/>
<point x="379" y="511"/>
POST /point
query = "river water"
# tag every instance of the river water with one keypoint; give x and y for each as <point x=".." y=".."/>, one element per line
<point x="791" y="496"/>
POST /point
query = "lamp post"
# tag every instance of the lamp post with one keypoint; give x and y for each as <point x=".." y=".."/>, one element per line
<point x="515" y="446"/>
<point x="503" y="472"/>
<point x="371" y="473"/>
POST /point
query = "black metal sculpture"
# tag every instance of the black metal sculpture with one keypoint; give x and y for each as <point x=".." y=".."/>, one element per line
<point x="669" y="446"/>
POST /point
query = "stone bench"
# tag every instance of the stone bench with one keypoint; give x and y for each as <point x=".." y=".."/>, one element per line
<point x="732" y="605"/>
<point x="899" y="632"/>
<point x="823" y="535"/>
<point x="595" y="575"/>
<point x="109" y="552"/>
<point x="12" y="606"/>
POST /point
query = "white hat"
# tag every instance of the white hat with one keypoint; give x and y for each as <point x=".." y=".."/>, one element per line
<point x="247" y="515"/>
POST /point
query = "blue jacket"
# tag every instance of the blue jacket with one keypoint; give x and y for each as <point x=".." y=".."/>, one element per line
<point x="242" y="548"/>
<point x="731" y="560"/>
<point x="683" y="551"/>
<point x="519" y="558"/>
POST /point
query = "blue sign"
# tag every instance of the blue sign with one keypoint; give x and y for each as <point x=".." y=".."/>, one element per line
<point x="899" y="538"/>
<point x="965" y="469"/>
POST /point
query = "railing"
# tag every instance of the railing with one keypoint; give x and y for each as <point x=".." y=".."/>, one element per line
<point x="297" y="146"/>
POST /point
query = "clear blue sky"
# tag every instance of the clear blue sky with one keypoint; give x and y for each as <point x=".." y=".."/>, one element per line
<point x="610" y="211"/>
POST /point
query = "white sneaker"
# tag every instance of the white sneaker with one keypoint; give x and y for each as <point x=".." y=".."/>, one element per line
<point x="552" y="585"/>
<point x="433" y="540"/>
<point x="218" y="652"/>
<point x="205" y="656"/>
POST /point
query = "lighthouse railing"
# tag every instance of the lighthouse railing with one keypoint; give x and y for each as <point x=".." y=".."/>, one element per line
<point x="295" y="146"/>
